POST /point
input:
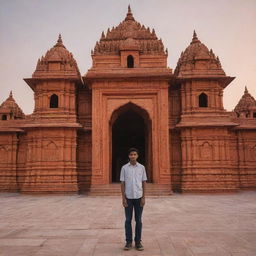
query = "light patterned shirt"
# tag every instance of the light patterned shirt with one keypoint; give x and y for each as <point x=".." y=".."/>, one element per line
<point x="133" y="175"/>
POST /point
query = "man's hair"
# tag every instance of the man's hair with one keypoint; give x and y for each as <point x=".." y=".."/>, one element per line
<point x="133" y="150"/>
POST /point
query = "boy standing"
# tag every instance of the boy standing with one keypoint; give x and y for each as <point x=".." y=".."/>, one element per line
<point x="133" y="180"/>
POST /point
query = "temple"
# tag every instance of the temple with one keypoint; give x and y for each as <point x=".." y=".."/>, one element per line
<point x="77" y="137"/>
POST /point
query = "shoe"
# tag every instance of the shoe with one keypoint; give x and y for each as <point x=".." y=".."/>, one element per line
<point x="139" y="246"/>
<point x="128" y="246"/>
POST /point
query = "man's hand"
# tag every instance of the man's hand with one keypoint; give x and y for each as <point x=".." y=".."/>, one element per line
<point x="142" y="201"/>
<point x="125" y="204"/>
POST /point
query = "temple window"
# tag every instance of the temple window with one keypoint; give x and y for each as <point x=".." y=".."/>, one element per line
<point x="4" y="117"/>
<point x="54" y="101"/>
<point x="130" y="61"/>
<point x="203" y="100"/>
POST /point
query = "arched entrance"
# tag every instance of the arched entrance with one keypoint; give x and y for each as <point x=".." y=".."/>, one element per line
<point x="130" y="127"/>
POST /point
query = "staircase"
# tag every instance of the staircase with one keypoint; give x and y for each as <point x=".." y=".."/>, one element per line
<point x="114" y="189"/>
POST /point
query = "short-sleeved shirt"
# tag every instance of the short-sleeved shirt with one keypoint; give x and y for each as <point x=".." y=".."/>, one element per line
<point x="133" y="176"/>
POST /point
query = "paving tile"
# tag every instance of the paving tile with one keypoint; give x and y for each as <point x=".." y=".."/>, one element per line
<point x="88" y="247"/>
<point x="60" y="247"/>
<point x="18" y="250"/>
<point x="21" y="242"/>
<point x="78" y="225"/>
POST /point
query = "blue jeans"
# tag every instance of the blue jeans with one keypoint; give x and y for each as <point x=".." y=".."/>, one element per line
<point x="133" y="203"/>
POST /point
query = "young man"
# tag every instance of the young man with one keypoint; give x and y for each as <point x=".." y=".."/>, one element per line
<point x="133" y="179"/>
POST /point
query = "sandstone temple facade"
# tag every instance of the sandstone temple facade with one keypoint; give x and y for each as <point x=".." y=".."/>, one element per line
<point x="77" y="137"/>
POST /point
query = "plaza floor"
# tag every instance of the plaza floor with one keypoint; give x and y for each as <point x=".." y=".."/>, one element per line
<point x="79" y="225"/>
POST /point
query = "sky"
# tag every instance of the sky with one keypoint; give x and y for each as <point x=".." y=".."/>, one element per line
<point x="28" y="28"/>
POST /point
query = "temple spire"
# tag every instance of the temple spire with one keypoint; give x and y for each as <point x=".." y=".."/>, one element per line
<point x="245" y="89"/>
<point x="129" y="15"/>
<point x="195" y="38"/>
<point x="129" y="9"/>
<point x="59" y="42"/>
<point x="10" y="95"/>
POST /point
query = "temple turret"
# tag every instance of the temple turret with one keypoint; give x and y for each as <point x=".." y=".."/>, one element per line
<point x="58" y="62"/>
<point x="54" y="82"/>
<point x="246" y="106"/>
<point x="200" y="62"/>
<point x="202" y="79"/>
<point x="10" y="110"/>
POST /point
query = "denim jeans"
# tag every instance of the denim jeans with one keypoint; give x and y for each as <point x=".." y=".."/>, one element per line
<point x="133" y="203"/>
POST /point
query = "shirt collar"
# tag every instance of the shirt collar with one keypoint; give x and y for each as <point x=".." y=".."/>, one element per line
<point x="132" y="164"/>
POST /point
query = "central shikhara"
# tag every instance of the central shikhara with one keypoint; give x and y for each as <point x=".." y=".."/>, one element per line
<point x="77" y="137"/>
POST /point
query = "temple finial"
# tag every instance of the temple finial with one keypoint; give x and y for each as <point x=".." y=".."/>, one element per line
<point x="194" y="34"/>
<point x="129" y="9"/>
<point x="59" y="39"/>
<point x="10" y="96"/>
<point x="245" y="89"/>
<point x="59" y="42"/>
<point x="195" y="38"/>
<point x="129" y="15"/>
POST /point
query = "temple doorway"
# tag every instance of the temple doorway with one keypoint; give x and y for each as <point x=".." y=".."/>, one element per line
<point x="130" y="128"/>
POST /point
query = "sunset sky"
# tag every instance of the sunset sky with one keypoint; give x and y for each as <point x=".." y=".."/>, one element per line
<point x="28" y="28"/>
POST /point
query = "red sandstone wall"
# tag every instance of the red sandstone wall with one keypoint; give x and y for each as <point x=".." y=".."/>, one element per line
<point x="174" y="137"/>
<point x="84" y="160"/>
<point x="247" y="158"/>
<point x="84" y="139"/>
<point x="21" y="160"/>
<point x="51" y="160"/>
<point x="209" y="160"/>
<point x="65" y="90"/>
<point x="175" y="160"/>
<point x="8" y="158"/>
<point x="84" y="107"/>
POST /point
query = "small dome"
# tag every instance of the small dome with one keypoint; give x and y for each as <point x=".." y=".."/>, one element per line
<point x="197" y="59"/>
<point x="10" y="107"/>
<point x="245" y="103"/>
<point x="58" y="61"/>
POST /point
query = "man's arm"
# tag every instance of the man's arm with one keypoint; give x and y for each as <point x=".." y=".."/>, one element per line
<point x="142" y="201"/>
<point x="123" y="194"/>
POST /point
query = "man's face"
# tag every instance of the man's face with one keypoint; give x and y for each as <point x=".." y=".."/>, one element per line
<point x="133" y="156"/>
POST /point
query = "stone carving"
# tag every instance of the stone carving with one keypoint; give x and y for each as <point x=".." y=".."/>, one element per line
<point x="129" y="34"/>
<point x="51" y="151"/>
<point x="3" y="153"/>
<point x="253" y="152"/>
<point x="206" y="151"/>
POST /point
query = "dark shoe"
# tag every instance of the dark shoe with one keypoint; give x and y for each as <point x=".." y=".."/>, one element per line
<point x="139" y="246"/>
<point x="128" y="246"/>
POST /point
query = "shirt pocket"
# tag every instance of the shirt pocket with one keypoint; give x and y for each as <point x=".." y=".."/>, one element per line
<point x="139" y="176"/>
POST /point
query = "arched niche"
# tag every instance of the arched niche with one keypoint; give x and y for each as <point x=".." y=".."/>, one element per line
<point x="54" y="101"/>
<point x="203" y="100"/>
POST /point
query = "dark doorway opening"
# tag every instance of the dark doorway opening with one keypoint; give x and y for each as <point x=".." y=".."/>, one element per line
<point x="130" y="129"/>
<point x="203" y="100"/>
<point x="54" y="101"/>
<point x="130" y="61"/>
